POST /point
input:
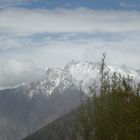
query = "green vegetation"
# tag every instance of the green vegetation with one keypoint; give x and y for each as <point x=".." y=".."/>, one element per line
<point x="113" y="110"/>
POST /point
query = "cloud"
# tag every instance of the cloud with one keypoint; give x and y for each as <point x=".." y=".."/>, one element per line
<point x="25" y="21"/>
<point x="13" y="3"/>
<point x="58" y="53"/>
<point x="130" y="5"/>
<point x="22" y="28"/>
<point x="16" y="72"/>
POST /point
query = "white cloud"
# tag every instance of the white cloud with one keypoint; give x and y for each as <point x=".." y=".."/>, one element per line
<point x="15" y="72"/>
<point x="25" y="21"/>
<point x="58" y="53"/>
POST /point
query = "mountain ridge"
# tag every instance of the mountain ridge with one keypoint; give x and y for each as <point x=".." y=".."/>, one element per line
<point x="71" y="76"/>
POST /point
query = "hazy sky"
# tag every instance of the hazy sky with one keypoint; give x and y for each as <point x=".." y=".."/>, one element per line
<point x="35" y="34"/>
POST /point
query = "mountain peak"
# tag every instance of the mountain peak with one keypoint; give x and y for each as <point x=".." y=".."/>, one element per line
<point x="71" y="76"/>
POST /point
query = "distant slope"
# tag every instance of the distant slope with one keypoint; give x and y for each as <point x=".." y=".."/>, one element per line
<point x="63" y="128"/>
<point x="21" y="116"/>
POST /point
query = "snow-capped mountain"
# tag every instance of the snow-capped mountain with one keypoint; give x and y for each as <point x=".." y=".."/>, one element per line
<point x="71" y="76"/>
<point x="58" y="79"/>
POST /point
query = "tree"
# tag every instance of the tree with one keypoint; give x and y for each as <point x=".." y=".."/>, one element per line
<point x="113" y="111"/>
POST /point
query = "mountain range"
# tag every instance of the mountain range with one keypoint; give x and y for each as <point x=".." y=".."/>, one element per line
<point x="30" y="106"/>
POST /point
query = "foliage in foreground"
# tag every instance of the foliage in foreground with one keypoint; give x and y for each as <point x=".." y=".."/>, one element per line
<point x="113" y="110"/>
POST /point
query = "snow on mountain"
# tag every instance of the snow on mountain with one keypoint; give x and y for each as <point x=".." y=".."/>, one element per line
<point x="71" y="76"/>
<point x="75" y="71"/>
<point x="125" y="71"/>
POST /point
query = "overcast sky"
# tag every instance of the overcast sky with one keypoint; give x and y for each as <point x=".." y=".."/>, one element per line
<point x="35" y="34"/>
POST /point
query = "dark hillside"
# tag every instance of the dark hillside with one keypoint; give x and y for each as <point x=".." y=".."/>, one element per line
<point x="60" y="129"/>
